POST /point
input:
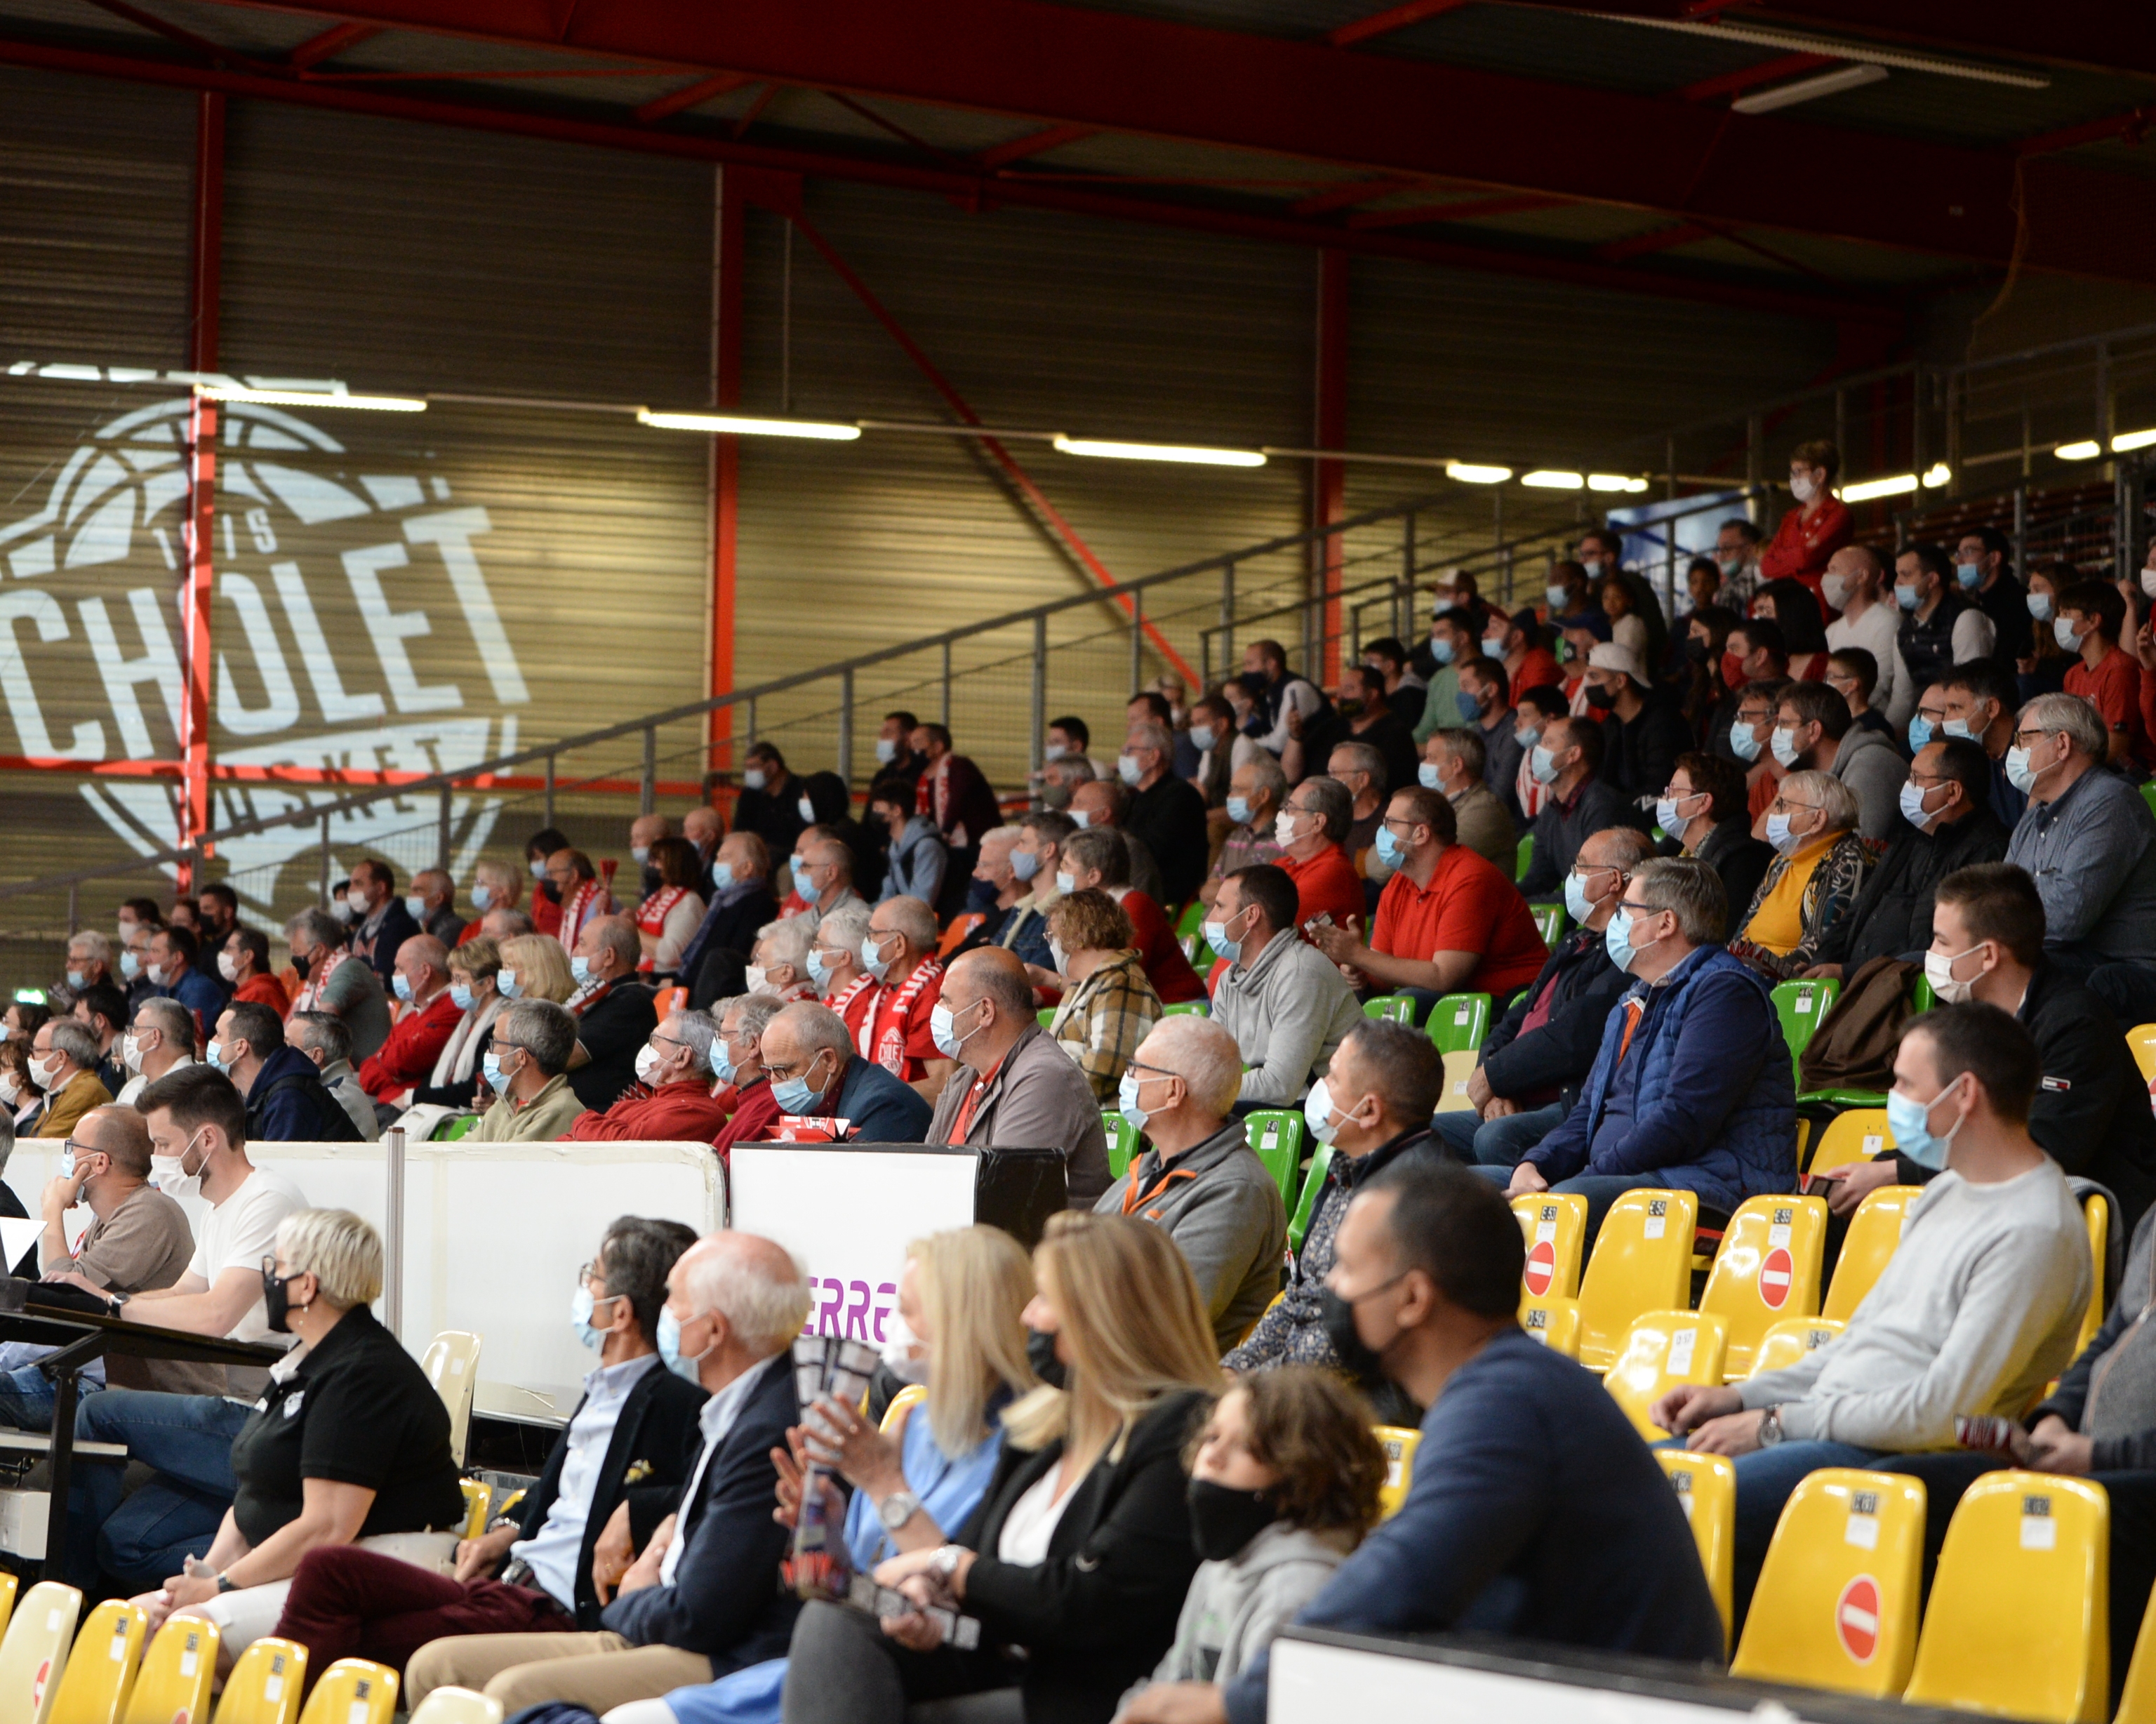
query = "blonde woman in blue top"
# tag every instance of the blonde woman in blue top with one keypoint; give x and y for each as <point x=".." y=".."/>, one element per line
<point x="961" y="1294"/>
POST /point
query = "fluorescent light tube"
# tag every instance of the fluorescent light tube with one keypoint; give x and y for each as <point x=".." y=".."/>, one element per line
<point x="1191" y="455"/>
<point x="2088" y="450"/>
<point x="1806" y="90"/>
<point x="311" y="398"/>
<point x="749" y="425"/>
<point x="1474" y="473"/>
<point x="1867" y="489"/>
<point x="1544" y="479"/>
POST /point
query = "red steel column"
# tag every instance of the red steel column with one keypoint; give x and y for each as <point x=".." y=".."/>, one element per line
<point x="205" y="276"/>
<point x="726" y="452"/>
<point x="1329" y="478"/>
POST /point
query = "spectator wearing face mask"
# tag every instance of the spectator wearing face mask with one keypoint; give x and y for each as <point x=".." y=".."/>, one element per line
<point x="1452" y="765"/>
<point x="767" y="805"/>
<point x="171" y="971"/>
<point x="1736" y="547"/>
<point x="286" y="1101"/>
<point x="496" y="886"/>
<point x="1567" y="762"/>
<point x="431" y="902"/>
<point x="815" y="1073"/>
<point x="1601" y="555"/>
<point x="2043" y="671"/>
<point x="533" y="1040"/>
<point x="669" y="917"/>
<point x="102" y="1009"/>
<point x="822" y="879"/>
<point x="1643" y="732"/>
<point x="1061" y="778"/>
<point x="716" y="955"/>
<point x="2092" y="617"/>
<point x="778" y="962"/>
<point x="1035" y="859"/>
<point x="1108" y="1005"/>
<point x="613" y="1011"/>
<point x="1484" y="688"/>
<point x="1213" y="733"/>
<point x="1359" y="714"/>
<point x="1808" y="535"/>
<point x="19" y="1089"/>
<point x="429" y="1019"/>
<point x="738" y="1068"/>
<point x="64" y="1058"/>
<point x="1313" y="828"/>
<point x="546" y="901"/>
<point x="996" y="891"/>
<point x="1254" y="794"/>
<point x="674" y="1065"/>
<point x="1164" y="813"/>
<point x="1984" y="569"/>
<point x="918" y="862"/>
<point x="1814" y="731"/>
<point x="905" y="977"/>
<point x="1454" y="639"/>
<point x="835" y="972"/>
<point x="380" y="921"/>
<point x="954" y="793"/>
<point x="325" y="1040"/>
<point x="1749" y="737"/>
<point x="1286" y="1006"/>
<point x="1939" y="627"/>
<point x="160" y="1039"/>
<point x="898" y="768"/>
<point x="244" y="962"/>
<point x="1405" y="689"/>
<point x="1821" y="863"/>
<point x="1856" y="583"/>
<point x="1097" y="860"/>
<point x="1536" y="708"/>
<point x="89" y="960"/>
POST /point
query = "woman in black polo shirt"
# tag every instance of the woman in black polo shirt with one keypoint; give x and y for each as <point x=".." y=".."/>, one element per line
<point x="351" y="1443"/>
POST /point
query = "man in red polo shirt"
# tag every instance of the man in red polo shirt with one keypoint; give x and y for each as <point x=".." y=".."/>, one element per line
<point x="1448" y="922"/>
<point x="428" y="1020"/>
<point x="676" y="1065"/>
<point x="1312" y="831"/>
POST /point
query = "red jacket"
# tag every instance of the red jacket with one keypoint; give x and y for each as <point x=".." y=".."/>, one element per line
<point x="686" y="1112"/>
<point x="1802" y="547"/>
<point x="752" y="1120"/>
<point x="416" y="1042"/>
<point x="264" y="990"/>
<point x="1160" y="952"/>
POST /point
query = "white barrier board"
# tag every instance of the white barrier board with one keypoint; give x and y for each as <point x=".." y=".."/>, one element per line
<point x="1312" y="1684"/>
<point x="848" y="1215"/>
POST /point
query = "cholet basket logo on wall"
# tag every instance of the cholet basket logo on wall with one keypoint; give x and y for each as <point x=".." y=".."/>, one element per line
<point x="318" y="663"/>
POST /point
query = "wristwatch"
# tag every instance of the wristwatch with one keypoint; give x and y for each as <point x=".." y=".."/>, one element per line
<point x="946" y="1561"/>
<point x="897" y="1508"/>
<point x="114" y="1304"/>
<point x="225" y="1584"/>
<point x="1770" y="1428"/>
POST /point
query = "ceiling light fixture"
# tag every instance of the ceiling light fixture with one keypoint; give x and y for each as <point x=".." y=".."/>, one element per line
<point x="311" y="398"/>
<point x="1841" y="48"/>
<point x="737" y="424"/>
<point x="1548" y="479"/>
<point x="2132" y="440"/>
<point x="2088" y="450"/>
<point x="1938" y="474"/>
<point x="1615" y="482"/>
<point x="1473" y="473"/>
<point x="1191" y="455"/>
<point x="1807" y="90"/>
<point x="1866" y="490"/>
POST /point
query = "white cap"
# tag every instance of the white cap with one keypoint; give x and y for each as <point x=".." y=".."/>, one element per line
<point x="1613" y="655"/>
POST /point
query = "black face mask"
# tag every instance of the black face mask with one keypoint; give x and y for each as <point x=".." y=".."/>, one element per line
<point x="276" y="1302"/>
<point x="1224" y="1520"/>
<point x="1600" y="698"/>
<point x="1041" y="1354"/>
<point x="1695" y="650"/>
<point x="1349" y="709"/>
<point x="303" y="963"/>
<point x="1358" y="1359"/>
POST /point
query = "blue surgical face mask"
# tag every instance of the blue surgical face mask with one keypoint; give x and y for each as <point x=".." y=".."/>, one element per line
<point x="1541" y="766"/>
<point x="722" y="1063"/>
<point x="67" y="1163"/>
<point x="416" y="908"/>
<point x="506" y="984"/>
<point x="1743" y="741"/>
<point x="217" y="1055"/>
<point x="581" y="1307"/>
<point x="1558" y="597"/>
<point x="819" y="972"/>
<point x="2039" y="606"/>
<point x="1216" y="936"/>
<point x="1912" y="795"/>
<point x="872" y="959"/>
<point x="802" y="883"/>
<point x="461" y="994"/>
<point x="1527" y="735"/>
<point x="1202" y="737"/>
<point x="1617" y="938"/>
<point x="580" y="971"/>
<point x="2062" y="631"/>
<point x="1470" y="708"/>
<point x="1920" y="732"/>
<point x="1025" y="863"/>
<point x="753" y="779"/>
<point x="1426" y="776"/>
<point x="131" y="966"/>
<point x="1970" y="574"/>
<point x="944" y="1031"/>
<point x="1127" y="1101"/>
<point x="794" y="1095"/>
<point x="482" y="898"/>
<point x="1317" y="1113"/>
<point x="75" y="979"/>
<point x="722" y="874"/>
<point x="1238" y="810"/>
<point x="1783" y="742"/>
<point x="669" y="1342"/>
<point x="1911" y="1123"/>
<point x="1956" y="727"/>
<point x="1390" y="851"/>
<point x="2020" y="771"/>
<point x="1785" y="841"/>
<point x="1440" y="648"/>
<point x="1577" y="904"/>
<point x="538" y="867"/>
<point x="886" y="750"/>
<point x="401" y="985"/>
<point x="1905" y="597"/>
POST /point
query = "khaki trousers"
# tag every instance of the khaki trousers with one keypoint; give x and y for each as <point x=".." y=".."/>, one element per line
<point x="599" y="1671"/>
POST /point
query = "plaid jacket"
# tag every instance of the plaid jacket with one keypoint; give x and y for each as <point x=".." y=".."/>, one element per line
<point x="1102" y="1020"/>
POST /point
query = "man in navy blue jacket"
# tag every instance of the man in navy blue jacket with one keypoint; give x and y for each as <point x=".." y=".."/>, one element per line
<point x="1539" y="1054"/>
<point x="1535" y="1509"/>
<point x="809" y="1056"/>
<point x="703" y="1599"/>
<point x="1692" y="1090"/>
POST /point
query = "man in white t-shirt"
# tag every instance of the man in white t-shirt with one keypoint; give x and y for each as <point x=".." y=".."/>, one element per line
<point x="197" y="1124"/>
<point x="1855" y="583"/>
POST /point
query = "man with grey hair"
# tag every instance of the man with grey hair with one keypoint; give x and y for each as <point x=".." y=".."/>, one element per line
<point x="1360" y="769"/>
<point x="1312" y="831"/>
<point x="1166" y="813"/>
<point x="2089" y="842"/>
<point x="700" y="1601"/>
<point x="533" y="1042"/>
<point x="779" y="961"/>
<point x="1060" y="780"/>
<point x="324" y="1039"/>
<point x="737" y="1061"/>
<point x="808" y="1057"/>
<point x="63" y="1057"/>
<point x="823" y="877"/>
<point x="614" y="1011"/>
<point x="89" y="959"/>
<point x="1690" y="1088"/>
<point x="675" y="1068"/>
<point x="1256" y="790"/>
<point x="335" y="980"/>
<point x="1453" y="761"/>
<point x="1104" y="805"/>
<point x="905" y="979"/>
<point x="501" y="925"/>
<point x="162" y="1037"/>
<point x="1200" y="1182"/>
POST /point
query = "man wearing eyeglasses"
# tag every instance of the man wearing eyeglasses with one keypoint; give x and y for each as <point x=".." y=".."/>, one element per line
<point x="533" y="1102"/>
<point x="675" y="1065"/>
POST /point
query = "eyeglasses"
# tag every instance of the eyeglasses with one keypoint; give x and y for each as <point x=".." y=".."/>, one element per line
<point x="1789" y="807"/>
<point x="2025" y="736"/>
<point x="590" y="1273"/>
<point x="671" y="1041"/>
<point x="778" y="1074"/>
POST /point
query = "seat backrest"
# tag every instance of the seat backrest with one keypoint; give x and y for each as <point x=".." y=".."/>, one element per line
<point x="1459" y="1067"/>
<point x="176" y="1672"/>
<point x="1399" y="1443"/>
<point x="1122" y="1141"/>
<point x="2142" y="1039"/>
<point x="911" y="1395"/>
<point x="954" y="936"/>
<point x="8" y="1585"/>
<point x="34" y="1655"/>
<point x="1788" y="1340"/>
<point x="1661" y="1349"/>
<point x="2019" y="1617"/>
<point x="1555" y="1227"/>
<point x="1836" y="1602"/>
<point x="264" y="1687"/>
<point x="451" y="1362"/>
<point x="1874" y="1231"/>
<point x="669" y="1001"/>
<point x="2137" y="1701"/>
<point x="1313" y="1187"/>
<point x="2097" y="1213"/>
<point x="458" y="1706"/>
<point x="1188" y="1008"/>
<point x="1274" y="1135"/>
<point x="1854" y="1134"/>
<point x="1390" y="1008"/>
<point x="1800" y="1005"/>
<point x="100" y="1668"/>
<point x="479" y="1498"/>
<point x="1642" y="1262"/>
<point x="1458" y="1023"/>
<point x="1553" y="1322"/>
<point x="1705" y="1485"/>
<point x="1549" y="922"/>
<point x="1044" y="1017"/>
<point x="353" y="1690"/>
<point x="1523" y="856"/>
<point x="1767" y="1268"/>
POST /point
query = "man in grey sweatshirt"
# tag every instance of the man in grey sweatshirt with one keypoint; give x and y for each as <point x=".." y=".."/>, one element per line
<point x="1975" y="1312"/>
<point x="1814" y="731"/>
<point x="1285" y="1002"/>
<point x="1199" y="1183"/>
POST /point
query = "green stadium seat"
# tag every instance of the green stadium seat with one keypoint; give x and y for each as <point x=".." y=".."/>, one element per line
<point x="1122" y="1141"/>
<point x="1459" y="1022"/>
<point x="1550" y="922"/>
<point x="1275" y="1137"/>
<point x="1391" y="1008"/>
<point x="1313" y="1182"/>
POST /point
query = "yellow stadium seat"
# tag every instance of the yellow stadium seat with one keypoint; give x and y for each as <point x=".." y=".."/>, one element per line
<point x="2098" y="1214"/>
<point x="2018" y="1618"/>
<point x="2142" y="1039"/>
<point x="353" y="1690"/>
<point x="1553" y="1322"/>
<point x="1662" y="1350"/>
<point x="264" y="1687"/>
<point x="101" y="1670"/>
<point x="1837" y="1599"/>
<point x="458" y="1706"/>
<point x="176" y="1672"/>
<point x="1705" y="1485"/>
<point x="451" y="1362"/>
<point x="2136" y="1701"/>
<point x="34" y="1656"/>
<point x="1399" y="1443"/>
<point x="478" y="1499"/>
<point x="1459" y="1067"/>
<point x="8" y="1585"/>
<point x="1788" y="1340"/>
<point x="1874" y="1231"/>
<point x="911" y="1395"/>
<point x="1767" y="1268"/>
<point x="1554" y="1229"/>
<point x="1642" y="1262"/>
<point x="1854" y="1134"/>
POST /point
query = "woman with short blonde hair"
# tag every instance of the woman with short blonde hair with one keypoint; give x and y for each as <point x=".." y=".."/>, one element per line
<point x="1108" y="1005"/>
<point x="1821" y="865"/>
<point x="475" y="973"/>
<point x="535" y="967"/>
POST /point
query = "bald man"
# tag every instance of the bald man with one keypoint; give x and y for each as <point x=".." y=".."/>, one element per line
<point x="427" y="1018"/>
<point x="1013" y="1085"/>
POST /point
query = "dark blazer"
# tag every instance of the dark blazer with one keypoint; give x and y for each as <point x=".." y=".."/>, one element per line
<point x="611" y="1029"/>
<point x="728" y="927"/>
<point x="395" y="927"/>
<point x="1558" y="833"/>
<point x="1096" y="1615"/>
<point x="726" y="1602"/>
<point x="655" y="1438"/>
<point x="883" y="1109"/>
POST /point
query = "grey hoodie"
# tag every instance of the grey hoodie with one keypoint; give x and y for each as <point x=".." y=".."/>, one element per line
<point x="1233" y="1608"/>
<point x="1874" y="770"/>
<point x="1287" y="1011"/>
